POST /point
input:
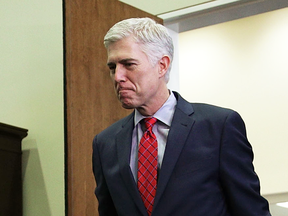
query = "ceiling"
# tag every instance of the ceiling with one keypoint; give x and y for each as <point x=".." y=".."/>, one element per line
<point x="166" y="9"/>
<point x="185" y="15"/>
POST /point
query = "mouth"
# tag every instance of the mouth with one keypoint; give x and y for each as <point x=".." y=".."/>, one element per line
<point x="123" y="89"/>
<point x="123" y="92"/>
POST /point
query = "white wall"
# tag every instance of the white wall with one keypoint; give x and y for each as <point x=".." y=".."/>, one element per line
<point x="173" y="83"/>
<point x="31" y="95"/>
<point x="242" y="65"/>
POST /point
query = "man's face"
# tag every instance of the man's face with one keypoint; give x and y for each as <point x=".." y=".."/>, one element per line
<point x="136" y="81"/>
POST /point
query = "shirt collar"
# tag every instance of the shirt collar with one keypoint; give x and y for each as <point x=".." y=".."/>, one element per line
<point x="164" y="114"/>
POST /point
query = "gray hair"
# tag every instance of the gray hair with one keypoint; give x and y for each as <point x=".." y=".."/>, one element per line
<point x="154" y="38"/>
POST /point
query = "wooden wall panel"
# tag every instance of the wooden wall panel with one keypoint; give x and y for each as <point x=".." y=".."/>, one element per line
<point x="90" y="101"/>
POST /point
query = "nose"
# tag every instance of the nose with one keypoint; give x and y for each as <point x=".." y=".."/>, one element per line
<point x="119" y="73"/>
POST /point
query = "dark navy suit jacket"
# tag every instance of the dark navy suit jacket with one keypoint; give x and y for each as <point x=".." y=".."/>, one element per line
<point x="206" y="171"/>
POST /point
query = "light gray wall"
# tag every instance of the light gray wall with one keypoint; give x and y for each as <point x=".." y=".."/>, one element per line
<point x="31" y="95"/>
<point x="242" y="64"/>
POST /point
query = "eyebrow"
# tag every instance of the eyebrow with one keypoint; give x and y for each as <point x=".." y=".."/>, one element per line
<point x="122" y="61"/>
<point x="110" y="64"/>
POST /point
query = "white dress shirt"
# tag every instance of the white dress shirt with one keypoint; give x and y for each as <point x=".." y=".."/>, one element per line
<point x="161" y="129"/>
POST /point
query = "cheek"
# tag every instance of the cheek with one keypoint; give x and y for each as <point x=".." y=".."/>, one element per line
<point x="146" y="79"/>
<point x="152" y="79"/>
<point x="148" y="86"/>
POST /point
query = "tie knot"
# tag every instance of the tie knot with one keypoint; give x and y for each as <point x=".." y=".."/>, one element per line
<point x="149" y="122"/>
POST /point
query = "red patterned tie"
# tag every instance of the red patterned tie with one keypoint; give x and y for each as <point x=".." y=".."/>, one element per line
<point x="147" y="165"/>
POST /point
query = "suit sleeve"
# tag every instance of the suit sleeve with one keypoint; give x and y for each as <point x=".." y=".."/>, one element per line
<point x="239" y="181"/>
<point x="106" y="206"/>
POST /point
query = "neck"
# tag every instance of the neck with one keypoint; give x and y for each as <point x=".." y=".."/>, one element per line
<point x="156" y="105"/>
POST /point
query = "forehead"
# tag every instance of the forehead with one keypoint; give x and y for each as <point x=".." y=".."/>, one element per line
<point x="124" y="48"/>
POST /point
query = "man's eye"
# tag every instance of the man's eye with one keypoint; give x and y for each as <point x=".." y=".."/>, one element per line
<point x="128" y="65"/>
<point x="112" y="69"/>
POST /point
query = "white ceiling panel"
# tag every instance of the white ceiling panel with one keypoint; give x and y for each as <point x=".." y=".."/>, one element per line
<point x="157" y="7"/>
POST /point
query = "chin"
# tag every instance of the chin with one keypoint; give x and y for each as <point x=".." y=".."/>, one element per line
<point x="126" y="103"/>
<point x="126" y="106"/>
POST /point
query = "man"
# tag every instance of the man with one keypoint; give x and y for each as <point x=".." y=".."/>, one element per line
<point x="203" y="158"/>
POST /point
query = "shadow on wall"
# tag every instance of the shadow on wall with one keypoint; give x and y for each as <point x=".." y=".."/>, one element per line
<point x="278" y="211"/>
<point x="35" y="198"/>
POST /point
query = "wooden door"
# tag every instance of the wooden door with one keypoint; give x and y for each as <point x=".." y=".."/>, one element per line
<point x="90" y="101"/>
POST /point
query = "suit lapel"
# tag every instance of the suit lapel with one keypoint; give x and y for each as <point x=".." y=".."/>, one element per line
<point x="180" y="128"/>
<point x="123" y="142"/>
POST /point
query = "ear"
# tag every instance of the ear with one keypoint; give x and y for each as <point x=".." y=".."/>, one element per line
<point x="164" y="64"/>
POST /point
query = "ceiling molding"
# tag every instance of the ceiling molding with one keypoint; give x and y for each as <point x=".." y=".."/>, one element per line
<point x="158" y="7"/>
<point x="223" y="13"/>
<point x="195" y="8"/>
